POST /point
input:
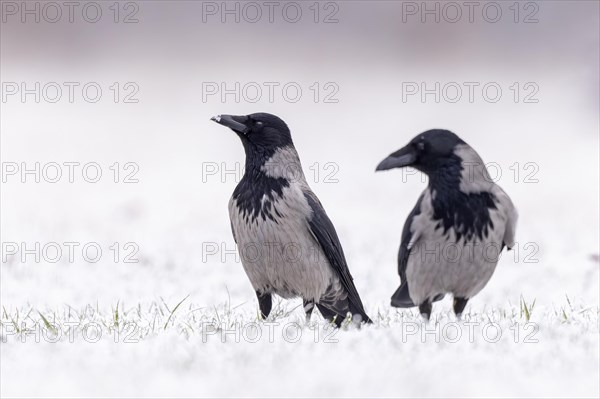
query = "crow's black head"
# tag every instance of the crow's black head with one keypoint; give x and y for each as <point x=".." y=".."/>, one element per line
<point x="261" y="131"/>
<point x="461" y="202"/>
<point x="428" y="152"/>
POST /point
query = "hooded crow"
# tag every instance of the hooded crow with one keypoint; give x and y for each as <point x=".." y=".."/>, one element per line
<point x="453" y="237"/>
<point x="286" y="241"/>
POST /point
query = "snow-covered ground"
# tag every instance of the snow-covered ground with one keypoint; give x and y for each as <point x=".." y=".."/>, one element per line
<point x="195" y="350"/>
<point x="166" y="310"/>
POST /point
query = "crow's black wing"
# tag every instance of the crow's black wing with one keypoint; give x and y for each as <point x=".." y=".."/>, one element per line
<point x="401" y="298"/>
<point x="325" y="234"/>
<point x="405" y="242"/>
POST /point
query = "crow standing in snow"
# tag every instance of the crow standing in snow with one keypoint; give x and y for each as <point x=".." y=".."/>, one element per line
<point x="453" y="237"/>
<point x="287" y="243"/>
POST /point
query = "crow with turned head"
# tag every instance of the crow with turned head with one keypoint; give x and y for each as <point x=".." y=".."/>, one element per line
<point x="453" y="237"/>
<point x="287" y="243"/>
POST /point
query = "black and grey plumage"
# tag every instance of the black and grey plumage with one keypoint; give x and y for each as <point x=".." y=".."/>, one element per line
<point x="453" y="237"/>
<point x="287" y="243"/>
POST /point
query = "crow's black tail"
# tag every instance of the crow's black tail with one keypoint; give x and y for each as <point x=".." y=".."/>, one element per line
<point x="401" y="298"/>
<point x="361" y="311"/>
<point x="339" y="308"/>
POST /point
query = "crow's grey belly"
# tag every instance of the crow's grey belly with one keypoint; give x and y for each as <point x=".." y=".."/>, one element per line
<point x="438" y="264"/>
<point x="281" y="256"/>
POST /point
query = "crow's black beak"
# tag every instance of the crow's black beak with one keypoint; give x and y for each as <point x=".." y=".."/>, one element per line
<point x="405" y="156"/>
<point x="235" y="123"/>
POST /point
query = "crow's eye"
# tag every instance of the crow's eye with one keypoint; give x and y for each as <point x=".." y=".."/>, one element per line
<point x="259" y="124"/>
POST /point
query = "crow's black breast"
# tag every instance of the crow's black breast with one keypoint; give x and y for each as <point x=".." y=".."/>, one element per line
<point x="249" y="195"/>
<point x="468" y="214"/>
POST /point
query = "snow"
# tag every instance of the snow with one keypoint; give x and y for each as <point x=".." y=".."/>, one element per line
<point x="226" y="352"/>
<point x="176" y="215"/>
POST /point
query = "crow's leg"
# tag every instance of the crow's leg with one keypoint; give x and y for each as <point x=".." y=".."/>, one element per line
<point x="308" y="308"/>
<point x="425" y="309"/>
<point x="265" y="303"/>
<point x="459" y="305"/>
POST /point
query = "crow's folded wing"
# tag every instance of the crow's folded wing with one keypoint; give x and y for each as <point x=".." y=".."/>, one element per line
<point x="408" y="240"/>
<point x="410" y="237"/>
<point x="326" y="236"/>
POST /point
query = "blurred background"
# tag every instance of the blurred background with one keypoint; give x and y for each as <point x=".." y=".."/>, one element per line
<point x="354" y="81"/>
